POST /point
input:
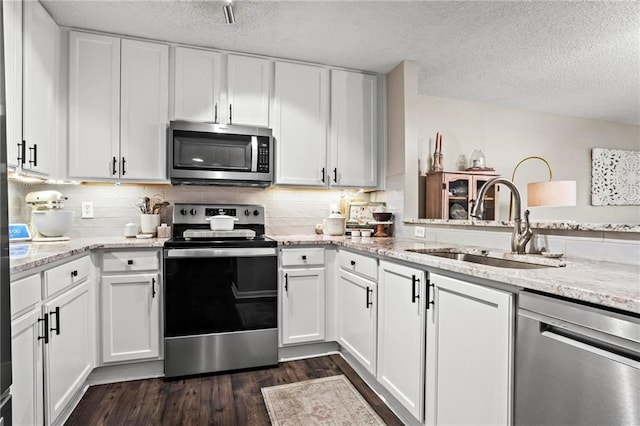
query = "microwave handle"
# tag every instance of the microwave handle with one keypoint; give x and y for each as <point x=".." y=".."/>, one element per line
<point x="254" y="153"/>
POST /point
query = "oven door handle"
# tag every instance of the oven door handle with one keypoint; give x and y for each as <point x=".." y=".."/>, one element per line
<point x="221" y="252"/>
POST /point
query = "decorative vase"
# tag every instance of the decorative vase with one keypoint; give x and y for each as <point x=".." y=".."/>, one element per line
<point x="149" y="223"/>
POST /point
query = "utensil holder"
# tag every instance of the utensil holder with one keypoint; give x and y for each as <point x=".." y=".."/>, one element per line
<point x="149" y="223"/>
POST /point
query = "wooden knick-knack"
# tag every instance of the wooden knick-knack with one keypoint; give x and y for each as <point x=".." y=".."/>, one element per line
<point x="437" y="155"/>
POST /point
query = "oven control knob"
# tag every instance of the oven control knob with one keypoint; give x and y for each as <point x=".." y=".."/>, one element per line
<point x="247" y="212"/>
<point x="183" y="212"/>
<point x="256" y="212"/>
<point x="193" y="212"/>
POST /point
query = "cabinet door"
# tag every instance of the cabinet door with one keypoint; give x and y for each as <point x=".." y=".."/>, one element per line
<point x="300" y="124"/>
<point x="94" y="106"/>
<point x="473" y="354"/>
<point x="457" y="190"/>
<point x="197" y="85"/>
<point x="302" y="305"/>
<point x="401" y="334"/>
<point x="144" y="100"/>
<point x="357" y="318"/>
<point x="26" y="364"/>
<point x="12" y="20"/>
<point x="130" y="317"/>
<point x="354" y="136"/>
<point x="39" y="88"/>
<point x="248" y="87"/>
<point x="69" y="352"/>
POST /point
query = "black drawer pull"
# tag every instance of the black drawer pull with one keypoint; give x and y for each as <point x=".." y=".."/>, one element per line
<point x="414" y="296"/>
<point x="113" y="166"/>
<point x="153" y="288"/>
<point x="130" y="262"/>
<point x="34" y="149"/>
<point x="368" y="301"/>
<point x="304" y="257"/>
<point x="353" y="263"/>
<point x="286" y="282"/>
<point x="74" y="273"/>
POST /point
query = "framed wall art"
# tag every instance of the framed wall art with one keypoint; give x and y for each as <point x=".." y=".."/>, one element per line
<point x="615" y="177"/>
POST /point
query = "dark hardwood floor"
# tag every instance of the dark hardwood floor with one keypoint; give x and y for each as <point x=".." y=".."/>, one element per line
<point x="219" y="399"/>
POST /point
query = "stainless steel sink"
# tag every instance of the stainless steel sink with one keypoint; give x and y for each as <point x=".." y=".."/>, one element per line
<point x="482" y="259"/>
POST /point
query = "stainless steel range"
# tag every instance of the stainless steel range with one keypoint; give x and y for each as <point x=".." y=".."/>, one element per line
<point x="220" y="292"/>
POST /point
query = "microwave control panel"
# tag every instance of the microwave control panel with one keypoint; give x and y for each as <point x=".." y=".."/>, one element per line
<point x="263" y="155"/>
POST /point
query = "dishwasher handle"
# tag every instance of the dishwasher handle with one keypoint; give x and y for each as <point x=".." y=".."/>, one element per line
<point x="617" y="350"/>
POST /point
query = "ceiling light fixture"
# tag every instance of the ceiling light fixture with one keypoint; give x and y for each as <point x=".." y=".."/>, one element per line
<point x="229" y="18"/>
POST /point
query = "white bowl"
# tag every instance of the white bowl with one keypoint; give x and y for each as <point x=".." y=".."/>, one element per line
<point x="53" y="223"/>
<point x="221" y="222"/>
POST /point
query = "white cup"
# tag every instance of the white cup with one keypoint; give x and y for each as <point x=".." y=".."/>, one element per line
<point x="149" y="223"/>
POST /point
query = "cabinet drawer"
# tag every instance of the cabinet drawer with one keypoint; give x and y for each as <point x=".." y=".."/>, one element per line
<point x="302" y="256"/>
<point x="130" y="260"/>
<point x="25" y="293"/>
<point x="362" y="265"/>
<point x="63" y="276"/>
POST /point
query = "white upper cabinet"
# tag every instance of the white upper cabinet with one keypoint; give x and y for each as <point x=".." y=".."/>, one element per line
<point x="40" y="74"/>
<point x="94" y="105"/>
<point x="196" y="85"/>
<point x="118" y="108"/>
<point x="354" y="137"/>
<point x="12" y="20"/>
<point x="144" y="103"/>
<point x="248" y="90"/>
<point x="299" y="124"/>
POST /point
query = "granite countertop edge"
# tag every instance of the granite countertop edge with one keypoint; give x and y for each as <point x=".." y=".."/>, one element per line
<point x="608" y="284"/>
<point x="553" y="225"/>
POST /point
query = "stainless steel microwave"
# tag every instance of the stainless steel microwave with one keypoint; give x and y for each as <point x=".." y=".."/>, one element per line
<point x="217" y="154"/>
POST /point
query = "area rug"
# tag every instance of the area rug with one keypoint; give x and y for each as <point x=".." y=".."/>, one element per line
<point x="326" y="401"/>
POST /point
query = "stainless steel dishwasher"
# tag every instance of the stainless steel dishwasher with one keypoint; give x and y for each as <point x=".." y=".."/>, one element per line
<point x="575" y="364"/>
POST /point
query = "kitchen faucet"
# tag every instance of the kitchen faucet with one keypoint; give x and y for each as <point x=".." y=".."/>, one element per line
<point x="522" y="233"/>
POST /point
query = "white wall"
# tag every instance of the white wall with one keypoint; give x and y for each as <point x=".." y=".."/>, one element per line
<point x="507" y="135"/>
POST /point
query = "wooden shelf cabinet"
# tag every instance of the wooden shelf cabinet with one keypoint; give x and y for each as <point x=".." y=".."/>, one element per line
<point x="449" y="194"/>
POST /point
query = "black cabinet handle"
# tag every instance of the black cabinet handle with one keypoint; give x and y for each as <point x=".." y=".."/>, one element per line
<point x="22" y="152"/>
<point x="429" y="287"/>
<point x="46" y="328"/>
<point x="74" y="273"/>
<point x="215" y="113"/>
<point x="286" y="282"/>
<point x="230" y="114"/>
<point x="124" y="163"/>
<point x="130" y="262"/>
<point x="353" y="263"/>
<point x="323" y="175"/>
<point x="113" y="166"/>
<point x="57" y="314"/>
<point x="335" y="175"/>
<point x="368" y="301"/>
<point x="304" y="257"/>
<point x="153" y="288"/>
<point x="34" y="149"/>
<point x="414" y="296"/>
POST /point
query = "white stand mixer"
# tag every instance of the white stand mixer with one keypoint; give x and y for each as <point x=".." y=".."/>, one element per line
<point x="48" y="221"/>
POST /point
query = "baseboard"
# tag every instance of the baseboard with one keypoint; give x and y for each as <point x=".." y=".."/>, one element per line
<point x="311" y="350"/>
<point x="66" y="413"/>
<point x="126" y="372"/>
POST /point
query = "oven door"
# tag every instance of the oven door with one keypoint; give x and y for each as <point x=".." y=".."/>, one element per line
<point x="220" y="309"/>
<point x="220" y="290"/>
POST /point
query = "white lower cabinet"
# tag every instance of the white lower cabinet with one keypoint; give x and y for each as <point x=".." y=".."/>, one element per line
<point x="401" y="334"/>
<point x="302" y="295"/>
<point x="26" y="360"/>
<point x="469" y="367"/>
<point x="130" y="305"/>
<point x="68" y="354"/>
<point x="303" y="305"/>
<point x="357" y="317"/>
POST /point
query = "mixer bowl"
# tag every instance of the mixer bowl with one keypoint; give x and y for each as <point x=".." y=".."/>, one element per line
<point x="53" y="223"/>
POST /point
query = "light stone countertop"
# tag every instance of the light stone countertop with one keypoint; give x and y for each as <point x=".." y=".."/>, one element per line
<point x="43" y="253"/>
<point x="603" y="283"/>
<point x="608" y="284"/>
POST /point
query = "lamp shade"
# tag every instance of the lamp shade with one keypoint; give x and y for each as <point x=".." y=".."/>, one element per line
<point x="551" y="193"/>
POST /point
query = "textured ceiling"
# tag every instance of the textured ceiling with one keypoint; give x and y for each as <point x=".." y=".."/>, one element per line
<point x="574" y="58"/>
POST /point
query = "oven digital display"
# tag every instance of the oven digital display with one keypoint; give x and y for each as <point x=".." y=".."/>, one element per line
<point x="215" y="212"/>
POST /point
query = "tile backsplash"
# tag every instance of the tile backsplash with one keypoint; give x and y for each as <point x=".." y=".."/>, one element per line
<point x="289" y="211"/>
